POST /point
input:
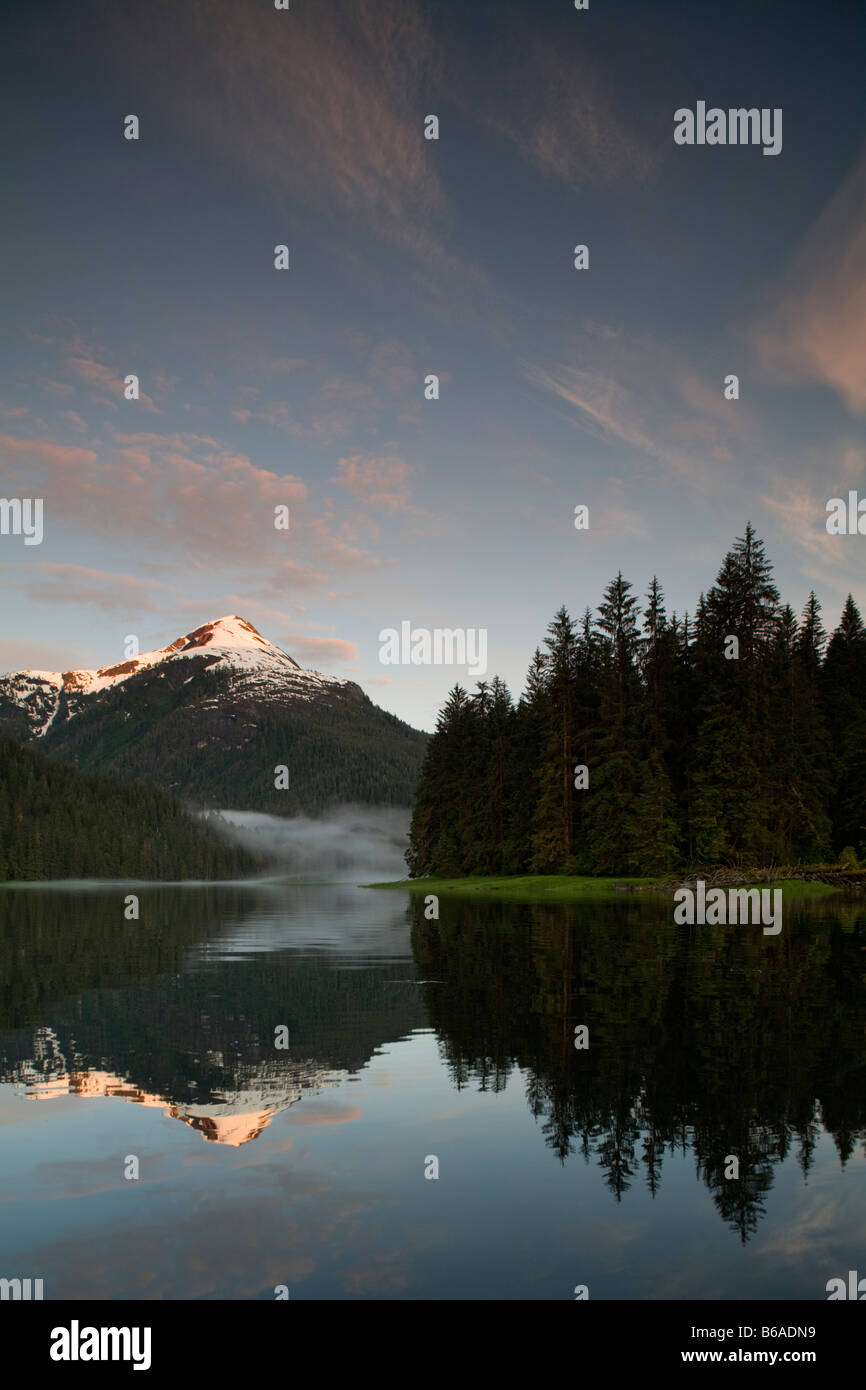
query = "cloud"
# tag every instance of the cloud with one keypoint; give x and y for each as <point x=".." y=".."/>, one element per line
<point x="834" y="563"/>
<point x="326" y="650"/>
<point x="95" y="374"/>
<point x="377" y="482"/>
<point x="333" y="407"/>
<point x="339" y="406"/>
<point x="54" y="388"/>
<point x="184" y="489"/>
<point x="63" y="461"/>
<point x="562" y="117"/>
<point x="316" y="1114"/>
<point x="23" y="655"/>
<point x="106" y="385"/>
<point x="70" y="419"/>
<point x="628" y="390"/>
<point x="602" y="404"/>
<point x="392" y="364"/>
<point x="328" y="117"/>
<point x="190" y="497"/>
<point x="76" y="584"/>
<point x="284" y="366"/>
<point x="381" y="1273"/>
<point x="816" y="328"/>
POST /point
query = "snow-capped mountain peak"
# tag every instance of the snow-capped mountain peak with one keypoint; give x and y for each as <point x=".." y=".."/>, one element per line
<point x="259" y="668"/>
<point x="229" y="634"/>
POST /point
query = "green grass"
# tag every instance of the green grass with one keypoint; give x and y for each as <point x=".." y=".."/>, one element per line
<point x="563" y="888"/>
<point x="531" y="888"/>
<point x="793" y="888"/>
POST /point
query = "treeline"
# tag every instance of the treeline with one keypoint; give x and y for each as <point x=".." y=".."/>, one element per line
<point x="58" y="822"/>
<point x="697" y="749"/>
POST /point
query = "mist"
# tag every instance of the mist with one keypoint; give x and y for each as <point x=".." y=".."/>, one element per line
<point x="348" y="844"/>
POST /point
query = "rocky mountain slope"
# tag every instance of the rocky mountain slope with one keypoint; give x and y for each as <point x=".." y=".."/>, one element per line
<point x="211" y="716"/>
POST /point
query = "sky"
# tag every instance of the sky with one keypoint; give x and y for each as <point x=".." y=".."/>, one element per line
<point x="262" y="388"/>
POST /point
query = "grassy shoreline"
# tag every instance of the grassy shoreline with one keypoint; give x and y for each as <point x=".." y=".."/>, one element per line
<point x="563" y="888"/>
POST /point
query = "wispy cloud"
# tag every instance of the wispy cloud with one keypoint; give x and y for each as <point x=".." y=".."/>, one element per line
<point x="325" y="115"/>
<point x="815" y="329"/>
<point x="564" y="118"/>
<point x="628" y="391"/>
<point x="75" y="585"/>
<point x="799" y="507"/>
<point x="325" y="650"/>
<point x="377" y="482"/>
<point x="24" y="655"/>
<point x="103" y="379"/>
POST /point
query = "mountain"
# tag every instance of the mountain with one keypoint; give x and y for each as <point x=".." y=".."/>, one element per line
<point x="211" y="716"/>
<point x="230" y="643"/>
<point x="238" y="1114"/>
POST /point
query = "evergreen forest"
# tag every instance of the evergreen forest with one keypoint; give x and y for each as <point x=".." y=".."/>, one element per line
<point x="57" y="822"/>
<point x="647" y="743"/>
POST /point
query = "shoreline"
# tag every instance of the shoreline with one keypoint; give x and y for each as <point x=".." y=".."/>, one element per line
<point x="799" y="883"/>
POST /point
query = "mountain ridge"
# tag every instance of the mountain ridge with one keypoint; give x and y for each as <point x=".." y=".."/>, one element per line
<point x="211" y="716"/>
<point x="230" y="642"/>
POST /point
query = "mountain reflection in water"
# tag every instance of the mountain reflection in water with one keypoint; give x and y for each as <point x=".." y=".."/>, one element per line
<point x="704" y="1042"/>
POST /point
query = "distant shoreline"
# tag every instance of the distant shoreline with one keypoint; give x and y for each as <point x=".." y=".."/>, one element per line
<point x="795" y="883"/>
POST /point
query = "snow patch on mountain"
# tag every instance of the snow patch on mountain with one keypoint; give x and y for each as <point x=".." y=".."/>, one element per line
<point x="262" y="669"/>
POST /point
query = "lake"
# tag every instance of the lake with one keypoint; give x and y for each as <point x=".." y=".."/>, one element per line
<point x="149" y="1047"/>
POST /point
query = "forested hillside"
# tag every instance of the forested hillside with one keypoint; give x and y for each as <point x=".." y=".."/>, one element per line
<point x="189" y="730"/>
<point x="691" y="756"/>
<point x="57" y="822"/>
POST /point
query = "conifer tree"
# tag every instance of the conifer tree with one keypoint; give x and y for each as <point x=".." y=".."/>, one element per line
<point x="733" y="766"/>
<point x="844" y="687"/>
<point x="615" y="774"/>
<point x="553" y="832"/>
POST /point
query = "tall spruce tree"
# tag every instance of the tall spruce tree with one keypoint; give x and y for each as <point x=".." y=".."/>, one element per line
<point x="553" y="829"/>
<point x="615" y="772"/>
<point x="734" y="774"/>
<point x="653" y="821"/>
<point x="527" y="734"/>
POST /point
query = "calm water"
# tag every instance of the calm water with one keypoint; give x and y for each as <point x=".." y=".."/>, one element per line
<point x="410" y="1039"/>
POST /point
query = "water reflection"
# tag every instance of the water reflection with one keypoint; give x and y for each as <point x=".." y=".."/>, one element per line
<point x="715" y="1041"/>
<point x="705" y="1043"/>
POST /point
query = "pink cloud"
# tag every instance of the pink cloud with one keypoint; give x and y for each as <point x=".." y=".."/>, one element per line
<point x="55" y="388"/>
<point x="636" y="392"/>
<point x="377" y="482"/>
<point x="24" y="655"/>
<point x="816" y="328"/>
<point x="323" y="649"/>
<point x="123" y="594"/>
<point x="338" y="406"/>
<point x="95" y="374"/>
<point x="70" y="419"/>
<point x="330" y="119"/>
<point x="61" y="459"/>
<point x="188" y="496"/>
<point x="575" y="133"/>
<point x="392" y="364"/>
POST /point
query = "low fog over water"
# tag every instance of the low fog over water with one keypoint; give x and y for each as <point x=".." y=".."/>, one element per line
<point x="356" y="844"/>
